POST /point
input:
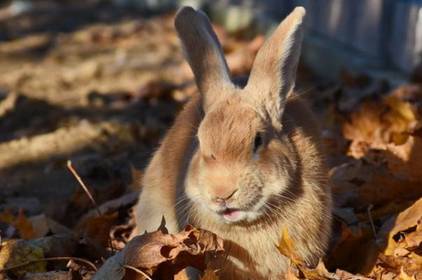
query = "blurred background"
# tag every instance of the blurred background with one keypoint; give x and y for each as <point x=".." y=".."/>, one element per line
<point x="370" y="34"/>
<point x="98" y="82"/>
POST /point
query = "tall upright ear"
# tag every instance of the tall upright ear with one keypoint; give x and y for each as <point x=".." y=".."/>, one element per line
<point x="273" y="72"/>
<point x="204" y="53"/>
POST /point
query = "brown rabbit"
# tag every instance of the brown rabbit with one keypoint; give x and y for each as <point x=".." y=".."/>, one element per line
<point x="244" y="163"/>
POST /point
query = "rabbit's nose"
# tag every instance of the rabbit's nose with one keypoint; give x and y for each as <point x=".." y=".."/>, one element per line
<point x="221" y="197"/>
<point x="220" y="201"/>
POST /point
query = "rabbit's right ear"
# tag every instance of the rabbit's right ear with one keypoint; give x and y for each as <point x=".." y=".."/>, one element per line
<point x="273" y="72"/>
<point x="204" y="54"/>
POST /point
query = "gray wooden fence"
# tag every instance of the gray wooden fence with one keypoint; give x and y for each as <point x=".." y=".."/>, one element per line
<point x="372" y="35"/>
<point x="379" y="33"/>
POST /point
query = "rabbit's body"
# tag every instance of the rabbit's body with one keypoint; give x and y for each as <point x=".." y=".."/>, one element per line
<point x="244" y="163"/>
<point x="306" y="219"/>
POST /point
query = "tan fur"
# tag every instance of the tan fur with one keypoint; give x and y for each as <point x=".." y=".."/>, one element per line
<point x="207" y="156"/>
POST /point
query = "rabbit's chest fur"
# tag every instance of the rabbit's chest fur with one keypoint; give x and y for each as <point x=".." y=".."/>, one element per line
<point x="252" y="250"/>
<point x="251" y="255"/>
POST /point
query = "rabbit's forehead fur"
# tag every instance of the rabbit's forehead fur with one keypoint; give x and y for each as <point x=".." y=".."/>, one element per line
<point x="228" y="130"/>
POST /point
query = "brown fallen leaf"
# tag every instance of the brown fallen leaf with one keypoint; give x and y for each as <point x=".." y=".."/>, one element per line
<point x="344" y="275"/>
<point x="18" y="256"/>
<point x="118" y="233"/>
<point x="20" y="222"/>
<point x="42" y="225"/>
<point x="320" y="272"/>
<point x="376" y="123"/>
<point x="404" y="276"/>
<point x="114" y="205"/>
<point x="96" y="229"/>
<point x="209" y="274"/>
<point x="388" y="129"/>
<point x="405" y="161"/>
<point x="407" y="230"/>
<point x="15" y="252"/>
<point x="401" y="245"/>
<point x="286" y="247"/>
<point x="299" y="270"/>
<point x="359" y="183"/>
<point x="357" y="241"/>
<point x="163" y="254"/>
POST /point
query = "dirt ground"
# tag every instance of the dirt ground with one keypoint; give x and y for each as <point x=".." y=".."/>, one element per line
<point x="85" y="93"/>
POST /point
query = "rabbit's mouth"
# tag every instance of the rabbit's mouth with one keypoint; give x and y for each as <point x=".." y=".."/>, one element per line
<point x="235" y="215"/>
<point x="232" y="214"/>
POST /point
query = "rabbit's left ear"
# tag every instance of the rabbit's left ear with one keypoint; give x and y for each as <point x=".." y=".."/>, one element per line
<point x="204" y="54"/>
<point x="273" y="72"/>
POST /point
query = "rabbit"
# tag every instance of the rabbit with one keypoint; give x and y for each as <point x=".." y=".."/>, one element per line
<point x="243" y="162"/>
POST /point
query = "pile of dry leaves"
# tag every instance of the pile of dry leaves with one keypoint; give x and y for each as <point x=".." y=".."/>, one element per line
<point x="109" y="97"/>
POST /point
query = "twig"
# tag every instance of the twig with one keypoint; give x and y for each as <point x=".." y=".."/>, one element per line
<point x="84" y="187"/>
<point x="88" y="193"/>
<point x="371" y="221"/>
<point x="49" y="259"/>
<point x="138" y="271"/>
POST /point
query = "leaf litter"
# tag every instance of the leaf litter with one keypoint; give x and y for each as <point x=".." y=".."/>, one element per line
<point x="109" y="97"/>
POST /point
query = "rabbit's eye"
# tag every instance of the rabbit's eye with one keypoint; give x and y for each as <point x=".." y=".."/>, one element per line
<point x="257" y="142"/>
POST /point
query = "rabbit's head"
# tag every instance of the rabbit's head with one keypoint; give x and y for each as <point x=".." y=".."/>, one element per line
<point x="244" y="160"/>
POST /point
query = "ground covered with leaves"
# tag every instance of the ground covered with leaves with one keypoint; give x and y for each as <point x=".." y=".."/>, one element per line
<point x="85" y="98"/>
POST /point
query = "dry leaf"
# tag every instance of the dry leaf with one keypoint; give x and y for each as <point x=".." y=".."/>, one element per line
<point x="7" y="217"/>
<point x="111" y="206"/>
<point x="405" y="161"/>
<point x="405" y="241"/>
<point x="20" y="222"/>
<point x="299" y="270"/>
<point x="344" y="275"/>
<point x="407" y="230"/>
<point x="286" y="247"/>
<point x="404" y="276"/>
<point x="401" y="254"/>
<point x="387" y="126"/>
<point x="162" y="255"/>
<point x="172" y="252"/>
<point x="357" y="241"/>
<point x="318" y="273"/>
<point x="377" y="124"/>
<point x="42" y="225"/>
<point x="96" y="230"/>
<point x="16" y="252"/>
<point x="209" y="274"/>
<point x="360" y="183"/>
